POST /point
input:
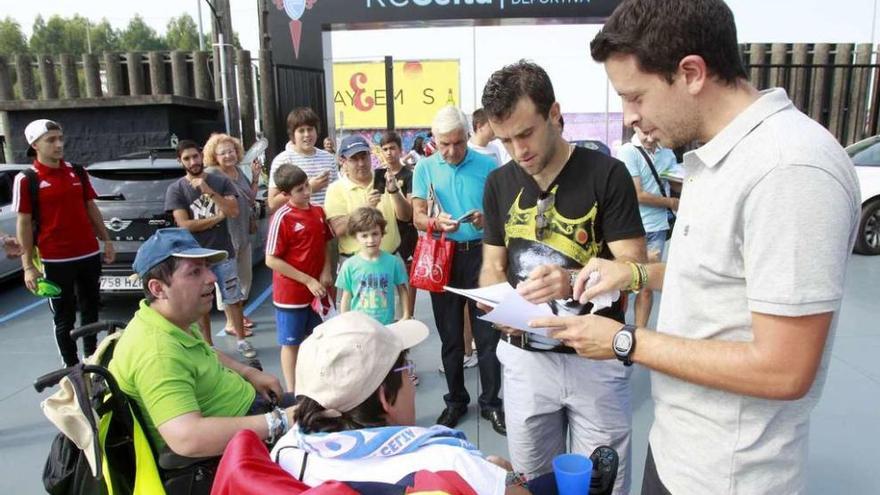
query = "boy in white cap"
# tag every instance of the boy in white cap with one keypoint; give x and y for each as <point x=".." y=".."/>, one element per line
<point x="355" y="411"/>
<point x="57" y="214"/>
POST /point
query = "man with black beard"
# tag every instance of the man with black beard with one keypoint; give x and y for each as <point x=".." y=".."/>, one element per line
<point x="547" y="213"/>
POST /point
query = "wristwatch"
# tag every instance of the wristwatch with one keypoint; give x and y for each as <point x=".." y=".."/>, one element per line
<point x="624" y="344"/>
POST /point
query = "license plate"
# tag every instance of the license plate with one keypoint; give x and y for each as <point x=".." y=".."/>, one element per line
<point x="111" y="283"/>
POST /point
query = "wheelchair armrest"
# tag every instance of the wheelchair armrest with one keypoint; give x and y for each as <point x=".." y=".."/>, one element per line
<point x="170" y="461"/>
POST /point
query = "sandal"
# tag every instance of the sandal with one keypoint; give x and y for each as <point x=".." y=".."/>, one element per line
<point x="248" y="323"/>
<point x="231" y="331"/>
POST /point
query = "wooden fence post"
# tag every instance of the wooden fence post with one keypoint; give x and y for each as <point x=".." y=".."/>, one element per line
<point x="179" y="79"/>
<point x="113" y="71"/>
<point x="158" y="86"/>
<point x="91" y="71"/>
<point x="858" y="97"/>
<point x="48" y="81"/>
<point x="778" y="53"/>
<point x="842" y="57"/>
<point x="201" y="81"/>
<point x="797" y="83"/>
<point x="757" y="52"/>
<point x="69" y="79"/>
<point x="135" y="68"/>
<point x="6" y="92"/>
<point x="821" y="54"/>
<point x="25" y="74"/>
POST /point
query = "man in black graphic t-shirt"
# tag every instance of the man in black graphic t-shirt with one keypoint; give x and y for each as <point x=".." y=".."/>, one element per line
<point x="547" y="213"/>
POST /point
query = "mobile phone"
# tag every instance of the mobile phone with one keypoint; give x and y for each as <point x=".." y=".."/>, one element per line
<point x="467" y="217"/>
<point x="379" y="180"/>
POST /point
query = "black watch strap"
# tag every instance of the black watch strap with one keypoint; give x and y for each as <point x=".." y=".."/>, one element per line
<point x="624" y="335"/>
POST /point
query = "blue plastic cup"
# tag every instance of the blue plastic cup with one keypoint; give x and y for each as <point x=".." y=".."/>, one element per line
<point x="573" y="473"/>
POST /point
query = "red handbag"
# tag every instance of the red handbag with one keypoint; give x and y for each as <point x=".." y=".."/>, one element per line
<point x="432" y="261"/>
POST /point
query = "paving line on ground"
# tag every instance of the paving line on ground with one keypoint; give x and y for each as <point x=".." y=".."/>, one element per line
<point x="20" y="311"/>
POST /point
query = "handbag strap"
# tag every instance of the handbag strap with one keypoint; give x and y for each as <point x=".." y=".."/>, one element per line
<point x="430" y="231"/>
<point x="656" y="176"/>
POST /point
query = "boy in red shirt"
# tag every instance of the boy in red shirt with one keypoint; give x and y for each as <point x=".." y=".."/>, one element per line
<point x="298" y="252"/>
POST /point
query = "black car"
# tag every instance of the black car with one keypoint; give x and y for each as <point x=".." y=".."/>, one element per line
<point x="131" y="197"/>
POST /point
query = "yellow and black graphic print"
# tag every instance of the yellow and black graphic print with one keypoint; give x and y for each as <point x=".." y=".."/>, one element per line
<point x="573" y="237"/>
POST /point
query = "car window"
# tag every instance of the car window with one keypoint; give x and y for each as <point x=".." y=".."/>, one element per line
<point x="6" y="179"/>
<point x="866" y="156"/>
<point x="134" y="185"/>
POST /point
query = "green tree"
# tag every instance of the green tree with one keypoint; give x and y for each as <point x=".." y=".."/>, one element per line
<point x="139" y="36"/>
<point x="12" y="40"/>
<point x="104" y="37"/>
<point x="49" y="37"/>
<point x="181" y="33"/>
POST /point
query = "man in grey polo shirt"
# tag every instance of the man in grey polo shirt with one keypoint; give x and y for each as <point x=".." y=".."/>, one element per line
<point x="755" y="274"/>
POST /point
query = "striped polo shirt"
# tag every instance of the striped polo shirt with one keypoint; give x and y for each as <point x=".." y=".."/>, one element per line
<point x="312" y="165"/>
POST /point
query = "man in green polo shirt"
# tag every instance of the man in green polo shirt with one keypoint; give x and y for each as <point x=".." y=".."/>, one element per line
<point x="193" y="397"/>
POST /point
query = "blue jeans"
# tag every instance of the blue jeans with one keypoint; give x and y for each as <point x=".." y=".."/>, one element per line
<point x="656" y="243"/>
<point x="227" y="280"/>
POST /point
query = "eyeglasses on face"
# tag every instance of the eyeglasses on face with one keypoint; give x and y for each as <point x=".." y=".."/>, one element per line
<point x="408" y="366"/>
<point x="546" y="201"/>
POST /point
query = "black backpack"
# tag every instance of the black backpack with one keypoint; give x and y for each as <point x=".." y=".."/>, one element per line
<point x="34" y="189"/>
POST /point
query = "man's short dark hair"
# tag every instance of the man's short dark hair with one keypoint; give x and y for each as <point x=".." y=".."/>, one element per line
<point x="185" y="145"/>
<point x="161" y="272"/>
<point x="512" y="82"/>
<point x="302" y="116"/>
<point x="289" y="176"/>
<point x="659" y="33"/>
<point x="391" y="137"/>
<point x="479" y="118"/>
<point x="365" y="219"/>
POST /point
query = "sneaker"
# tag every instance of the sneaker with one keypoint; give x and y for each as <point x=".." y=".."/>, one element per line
<point x="441" y="369"/>
<point x="246" y="349"/>
<point x="470" y="361"/>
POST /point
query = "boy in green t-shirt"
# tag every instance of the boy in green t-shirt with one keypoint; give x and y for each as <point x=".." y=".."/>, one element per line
<point x="369" y="279"/>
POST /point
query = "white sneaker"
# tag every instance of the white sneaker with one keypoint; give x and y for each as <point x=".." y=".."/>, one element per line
<point x="246" y="349"/>
<point x="470" y="361"/>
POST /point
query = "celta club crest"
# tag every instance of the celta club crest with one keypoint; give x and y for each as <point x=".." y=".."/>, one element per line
<point x="295" y="9"/>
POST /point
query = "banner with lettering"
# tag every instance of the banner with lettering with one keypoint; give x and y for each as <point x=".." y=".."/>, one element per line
<point x="420" y="89"/>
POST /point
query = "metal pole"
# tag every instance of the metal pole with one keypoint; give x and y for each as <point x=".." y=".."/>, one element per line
<point x="224" y="94"/>
<point x="201" y="31"/>
<point x="389" y="92"/>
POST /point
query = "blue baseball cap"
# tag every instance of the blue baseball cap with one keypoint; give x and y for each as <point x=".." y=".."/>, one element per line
<point x="352" y="145"/>
<point x="176" y="242"/>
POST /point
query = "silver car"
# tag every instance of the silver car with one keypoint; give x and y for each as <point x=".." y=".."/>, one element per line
<point x="9" y="267"/>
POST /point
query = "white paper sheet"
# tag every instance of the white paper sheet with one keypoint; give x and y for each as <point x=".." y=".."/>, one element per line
<point x="516" y="312"/>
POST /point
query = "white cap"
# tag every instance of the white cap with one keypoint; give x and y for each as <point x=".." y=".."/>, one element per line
<point x="36" y="129"/>
<point x="347" y="357"/>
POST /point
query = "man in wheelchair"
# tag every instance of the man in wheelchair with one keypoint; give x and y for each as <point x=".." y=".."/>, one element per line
<point x="193" y="397"/>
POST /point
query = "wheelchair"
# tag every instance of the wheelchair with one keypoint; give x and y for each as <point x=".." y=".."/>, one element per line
<point x="119" y="460"/>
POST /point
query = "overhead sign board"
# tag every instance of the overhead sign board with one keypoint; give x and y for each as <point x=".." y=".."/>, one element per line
<point x="421" y="88"/>
<point x="296" y="25"/>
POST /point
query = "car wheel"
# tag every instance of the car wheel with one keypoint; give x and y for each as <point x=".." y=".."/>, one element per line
<point x="868" y="241"/>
